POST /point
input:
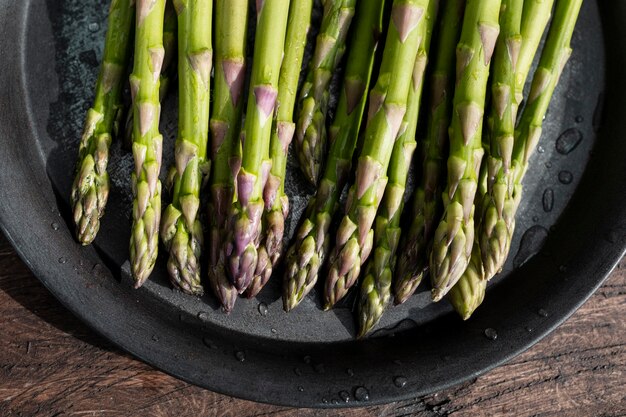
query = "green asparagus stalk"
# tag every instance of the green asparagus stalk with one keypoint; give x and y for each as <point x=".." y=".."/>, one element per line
<point x="181" y="228"/>
<point x="276" y="201"/>
<point x="312" y="242"/>
<point x="311" y="127"/>
<point x="231" y="17"/>
<point x="495" y="240"/>
<point x="168" y="72"/>
<point x="467" y="294"/>
<point x="90" y="190"/>
<point x="454" y="237"/>
<point x="412" y="259"/>
<point x="376" y="286"/>
<point x="147" y="141"/>
<point x="388" y="105"/>
<point x="535" y="18"/>
<point x="246" y="212"/>
<point x="496" y="226"/>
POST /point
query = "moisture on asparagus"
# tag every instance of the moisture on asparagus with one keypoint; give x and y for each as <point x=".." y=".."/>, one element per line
<point x="90" y="189"/>
<point x="246" y="212"/>
<point x="147" y="141"/>
<point x="314" y="96"/>
<point x="375" y="291"/>
<point x="231" y="17"/>
<point x="388" y="105"/>
<point x="276" y="201"/>
<point x="454" y="236"/>
<point x="412" y="258"/>
<point x="312" y="241"/>
<point x="181" y="229"/>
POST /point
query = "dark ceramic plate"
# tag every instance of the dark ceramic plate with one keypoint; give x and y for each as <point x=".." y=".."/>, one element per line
<point x="572" y="227"/>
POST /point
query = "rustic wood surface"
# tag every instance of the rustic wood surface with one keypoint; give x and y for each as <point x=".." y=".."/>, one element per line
<point x="53" y="365"/>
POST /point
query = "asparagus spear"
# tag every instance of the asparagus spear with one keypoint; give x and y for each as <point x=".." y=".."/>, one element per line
<point x="495" y="239"/>
<point x="276" y="201"/>
<point x="388" y="105"/>
<point x="454" y="237"/>
<point x="313" y="105"/>
<point x="231" y="18"/>
<point x="412" y="258"/>
<point x="147" y="141"/>
<point x="181" y="228"/>
<point x="307" y="253"/>
<point x="168" y="72"/>
<point x="90" y="190"/>
<point x="246" y="212"/>
<point x="376" y="286"/>
<point x="467" y="294"/>
<point x="535" y="18"/>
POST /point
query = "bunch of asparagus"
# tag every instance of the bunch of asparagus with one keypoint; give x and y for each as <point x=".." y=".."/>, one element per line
<point x="462" y="220"/>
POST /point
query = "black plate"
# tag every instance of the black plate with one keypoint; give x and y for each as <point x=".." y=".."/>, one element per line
<point x="573" y="220"/>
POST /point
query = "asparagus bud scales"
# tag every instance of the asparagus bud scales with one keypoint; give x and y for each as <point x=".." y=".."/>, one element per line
<point x="276" y="201"/>
<point x="230" y="52"/>
<point x="376" y="285"/>
<point x="147" y="141"/>
<point x="245" y="227"/>
<point x="412" y="258"/>
<point x="467" y="294"/>
<point x="182" y="231"/>
<point x="308" y="252"/>
<point x="90" y="189"/>
<point x="388" y="103"/>
<point x="454" y="236"/>
<point x="553" y="58"/>
<point x="311" y="129"/>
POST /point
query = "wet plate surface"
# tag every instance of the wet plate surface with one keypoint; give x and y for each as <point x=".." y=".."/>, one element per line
<point x="571" y="230"/>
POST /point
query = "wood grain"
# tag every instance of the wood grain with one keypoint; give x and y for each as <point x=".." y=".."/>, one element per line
<point x="53" y="365"/>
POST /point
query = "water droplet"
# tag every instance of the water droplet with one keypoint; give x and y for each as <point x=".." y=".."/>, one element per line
<point x="203" y="315"/>
<point x="579" y="119"/>
<point x="297" y="371"/>
<point x="62" y="260"/>
<point x="335" y="401"/>
<point x="55" y="226"/>
<point x="531" y="243"/>
<point x="93" y="27"/>
<point x="324" y="400"/>
<point x="274" y="331"/>
<point x="542" y="312"/>
<point x="399" y="381"/>
<point x="262" y="309"/>
<point x="361" y="394"/>
<point x="566" y="177"/>
<point x="301" y="388"/>
<point x="491" y="333"/>
<point x="548" y="200"/>
<point x="548" y="165"/>
<point x="568" y="141"/>
<point x="155" y="338"/>
<point x="240" y="356"/>
<point x="209" y="343"/>
<point x="529" y="329"/>
<point x="307" y="359"/>
<point x="540" y="149"/>
<point x="350" y="372"/>
<point x="345" y="396"/>
<point x="319" y="368"/>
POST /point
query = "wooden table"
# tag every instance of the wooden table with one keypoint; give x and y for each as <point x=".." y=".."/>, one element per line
<point x="53" y="365"/>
